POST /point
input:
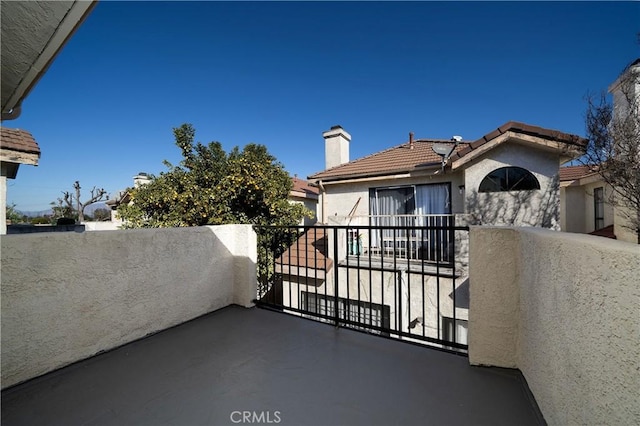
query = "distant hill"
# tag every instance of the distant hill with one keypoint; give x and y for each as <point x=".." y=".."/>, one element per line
<point x="88" y="211"/>
<point x="32" y="213"/>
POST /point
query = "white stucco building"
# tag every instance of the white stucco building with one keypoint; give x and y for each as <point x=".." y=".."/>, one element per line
<point x="507" y="177"/>
<point x="588" y="203"/>
<point x="305" y="194"/>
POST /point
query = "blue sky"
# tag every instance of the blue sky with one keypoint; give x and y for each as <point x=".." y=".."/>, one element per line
<point x="281" y="73"/>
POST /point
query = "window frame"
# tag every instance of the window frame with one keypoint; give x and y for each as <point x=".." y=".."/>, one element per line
<point x="365" y="313"/>
<point x="506" y="186"/>
<point x="373" y="195"/>
<point x="448" y="325"/>
<point x="598" y="208"/>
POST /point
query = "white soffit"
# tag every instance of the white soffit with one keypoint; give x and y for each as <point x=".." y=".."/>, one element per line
<point x="33" y="32"/>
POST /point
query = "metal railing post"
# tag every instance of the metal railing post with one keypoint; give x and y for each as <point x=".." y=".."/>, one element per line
<point x="336" y="317"/>
<point x="399" y="306"/>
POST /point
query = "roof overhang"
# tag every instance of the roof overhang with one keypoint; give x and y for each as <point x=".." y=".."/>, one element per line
<point x="9" y="170"/>
<point x="422" y="170"/>
<point x="304" y="194"/>
<point x="11" y="156"/>
<point x="33" y="32"/>
<point x="566" y="151"/>
<point x="585" y="180"/>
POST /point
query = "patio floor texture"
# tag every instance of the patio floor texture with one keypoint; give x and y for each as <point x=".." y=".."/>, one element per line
<point x="279" y="369"/>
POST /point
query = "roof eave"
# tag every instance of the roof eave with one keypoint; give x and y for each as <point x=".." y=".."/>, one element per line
<point x="390" y="174"/>
<point x="19" y="157"/>
<point x="68" y="25"/>
<point x="566" y="150"/>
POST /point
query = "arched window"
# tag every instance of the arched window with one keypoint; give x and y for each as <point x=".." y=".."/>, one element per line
<point x="509" y="179"/>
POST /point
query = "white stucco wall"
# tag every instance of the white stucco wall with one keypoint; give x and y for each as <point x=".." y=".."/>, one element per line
<point x="309" y="204"/>
<point x="526" y="208"/>
<point x="577" y="207"/>
<point x="564" y="309"/>
<point x="572" y="213"/>
<point x="68" y="296"/>
<point x="623" y="227"/>
<point x="101" y="226"/>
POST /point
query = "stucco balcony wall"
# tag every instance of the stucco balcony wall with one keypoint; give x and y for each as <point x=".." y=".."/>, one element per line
<point x="68" y="296"/>
<point x="563" y="308"/>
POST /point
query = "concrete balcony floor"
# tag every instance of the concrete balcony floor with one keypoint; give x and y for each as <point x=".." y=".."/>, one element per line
<point x="283" y="368"/>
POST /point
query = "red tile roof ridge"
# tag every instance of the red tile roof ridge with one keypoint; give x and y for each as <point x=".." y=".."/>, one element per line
<point x="393" y="160"/>
<point x="580" y="171"/>
<point x="377" y="153"/>
<point x="524" y="128"/>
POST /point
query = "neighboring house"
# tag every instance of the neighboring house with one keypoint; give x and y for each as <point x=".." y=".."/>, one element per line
<point x="583" y="202"/>
<point x="307" y="195"/>
<point x="588" y="203"/>
<point x="507" y="177"/>
<point x="626" y="100"/>
<point x="16" y="147"/>
<point x="121" y="197"/>
<point x="626" y="88"/>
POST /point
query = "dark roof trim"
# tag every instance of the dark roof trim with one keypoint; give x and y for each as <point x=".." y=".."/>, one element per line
<point x="525" y="129"/>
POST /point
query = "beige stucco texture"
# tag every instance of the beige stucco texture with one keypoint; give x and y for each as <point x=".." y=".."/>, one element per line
<point x="565" y="310"/>
<point x="521" y="208"/>
<point x="67" y="296"/>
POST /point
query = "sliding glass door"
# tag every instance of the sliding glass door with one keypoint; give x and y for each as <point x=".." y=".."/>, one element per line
<point x="416" y="205"/>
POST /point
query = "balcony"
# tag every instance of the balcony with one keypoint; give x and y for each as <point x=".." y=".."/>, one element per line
<point x="311" y="273"/>
<point x="155" y="327"/>
<point x="205" y="371"/>
<point x="412" y="237"/>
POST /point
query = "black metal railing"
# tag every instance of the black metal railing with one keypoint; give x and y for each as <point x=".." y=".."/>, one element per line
<point x="332" y="274"/>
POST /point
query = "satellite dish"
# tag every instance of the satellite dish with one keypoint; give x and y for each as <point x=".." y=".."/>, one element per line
<point x="441" y="149"/>
<point x="444" y="151"/>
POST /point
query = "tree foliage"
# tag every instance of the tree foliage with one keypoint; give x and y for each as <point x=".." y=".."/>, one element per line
<point x="211" y="187"/>
<point x="101" y="214"/>
<point x="13" y="216"/>
<point x="613" y="150"/>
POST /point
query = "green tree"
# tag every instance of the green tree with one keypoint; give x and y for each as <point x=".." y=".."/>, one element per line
<point x="13" y="215"/>
<point x="41" y="220"/>
<point x="101" y="214"/>
<point x="211" y="187"/>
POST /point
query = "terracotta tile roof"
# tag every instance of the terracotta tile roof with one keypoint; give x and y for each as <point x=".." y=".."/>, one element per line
<point x="568" y="173"/>
<point x="526" y="129"/>
<point x="309" y="251"/>
<point x="402" y="159"/>
<point x="607" y="231"/>
<point x="399" y="159"/>
<point x="304" y="186"/>
<point x="18" y="140"/>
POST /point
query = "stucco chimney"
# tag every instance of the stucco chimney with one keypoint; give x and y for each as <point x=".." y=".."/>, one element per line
<point x="140" y="179"/>
<point x="336" y="146"/>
